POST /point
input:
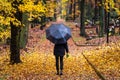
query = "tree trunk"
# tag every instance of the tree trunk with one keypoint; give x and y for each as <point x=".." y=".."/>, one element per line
<point x="101" y="20"/>
<point x="119" y="26"/>
<point x="43" y="19"/>
<point x="70" y="9"/>
<point x="96" y="14"/>
<point x="106" y="21"/>
<point x="82" y="23"/>
<point x="55" y="15"/>
<point x="69" y="16"/>
<point x="15" y="36"/>
<point x="108" y="15"/>
<point x="24" y="31"/>
<point x="74" y="10"/>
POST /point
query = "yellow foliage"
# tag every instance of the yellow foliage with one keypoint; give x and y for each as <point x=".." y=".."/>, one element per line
<point x="5" y="34"/>
<point x="110" y="4"/>
<point x="38" y="65"/>
<point x="50" y="7"/>
<point x="63" y="1"/>
<point x="7" y="11"/>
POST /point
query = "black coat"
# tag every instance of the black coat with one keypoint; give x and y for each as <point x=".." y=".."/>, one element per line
<point x="59" y="49"/>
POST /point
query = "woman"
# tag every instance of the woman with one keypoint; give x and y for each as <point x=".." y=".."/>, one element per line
<point x="59" y="52"/>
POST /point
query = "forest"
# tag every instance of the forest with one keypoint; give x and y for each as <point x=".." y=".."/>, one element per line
<point x="26" y="52"/>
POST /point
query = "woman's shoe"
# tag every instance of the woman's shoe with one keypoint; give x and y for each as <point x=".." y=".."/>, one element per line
<point x="61" y="73"/>
<point x="57" y="73"/>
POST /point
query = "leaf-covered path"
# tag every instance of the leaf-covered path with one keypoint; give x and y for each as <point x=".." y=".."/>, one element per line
<point x="37" y="40"/>
<point x="39" y="62"/>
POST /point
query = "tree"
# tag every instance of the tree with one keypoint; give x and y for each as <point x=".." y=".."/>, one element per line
<point x="82" y="19"/>
<point x="24" y="31"/>
<point x="12" y="13"/>
<point x="43" y="18"/>
<point x="63" y="9"/>
<point x="96" y="14"/>
<point x="69" y="13"/>
<point x="74" y="11"/>
<point x="15" y="35"/>
<point x="70" y="7"/>
<point x="101" y="8"/>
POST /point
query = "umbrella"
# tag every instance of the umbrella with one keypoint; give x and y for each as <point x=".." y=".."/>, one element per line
<point x="58" y="33"/>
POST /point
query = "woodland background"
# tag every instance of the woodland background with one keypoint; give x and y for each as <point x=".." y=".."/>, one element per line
<point x="26" y="54"/>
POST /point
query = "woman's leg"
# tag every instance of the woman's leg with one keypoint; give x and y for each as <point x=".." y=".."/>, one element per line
<point x="61" y="64"/>
<point x="57" y="64"/>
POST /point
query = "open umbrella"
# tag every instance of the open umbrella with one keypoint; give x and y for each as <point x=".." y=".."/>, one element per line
<point x="58" y="33"/>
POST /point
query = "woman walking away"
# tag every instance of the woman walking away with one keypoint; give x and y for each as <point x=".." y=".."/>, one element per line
<point x="59" y="52"/>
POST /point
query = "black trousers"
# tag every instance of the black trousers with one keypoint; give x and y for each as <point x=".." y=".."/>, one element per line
<point x="59" y="58"/>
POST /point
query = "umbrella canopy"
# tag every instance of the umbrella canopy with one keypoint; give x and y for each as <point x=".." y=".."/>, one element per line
<point x="58" y="33"/>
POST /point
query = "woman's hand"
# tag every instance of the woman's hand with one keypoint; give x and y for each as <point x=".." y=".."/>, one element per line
<point x="67" y="55"/>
